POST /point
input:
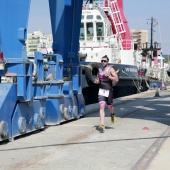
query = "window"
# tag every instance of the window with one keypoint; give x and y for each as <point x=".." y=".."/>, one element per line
<point x="99" y="30"/>
<point x="90" y="31"/>
<point x="82" y="31"/>
<point x="89" y="17"/>
<point x="98" y="17"/>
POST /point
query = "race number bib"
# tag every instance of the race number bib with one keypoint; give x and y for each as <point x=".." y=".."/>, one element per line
<point x="103" y="92"/>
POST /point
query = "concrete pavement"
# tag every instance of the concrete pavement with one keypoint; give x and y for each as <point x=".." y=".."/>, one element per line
<point x="161" y="158"/>
<point x="138" y="140"/>
<point x="161" y="161"/>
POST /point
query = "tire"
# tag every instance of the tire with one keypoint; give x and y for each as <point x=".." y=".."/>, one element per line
<point x="91" y="71"/>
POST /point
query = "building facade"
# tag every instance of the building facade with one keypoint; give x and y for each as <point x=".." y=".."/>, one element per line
<point x="37" y="41"/>
<point x="139" y="37"/>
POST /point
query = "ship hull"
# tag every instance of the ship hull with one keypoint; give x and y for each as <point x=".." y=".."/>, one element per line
<point x="129" y="82"/>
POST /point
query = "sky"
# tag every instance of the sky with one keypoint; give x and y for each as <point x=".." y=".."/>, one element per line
<point x="138" y="14"/>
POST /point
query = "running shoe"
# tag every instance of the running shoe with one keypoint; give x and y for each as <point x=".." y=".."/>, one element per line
<point x="102" y="128"/>
<point x="113" y="118"/>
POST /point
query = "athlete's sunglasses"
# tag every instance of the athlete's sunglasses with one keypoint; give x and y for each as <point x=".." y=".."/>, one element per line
<point x="103" y="61"/>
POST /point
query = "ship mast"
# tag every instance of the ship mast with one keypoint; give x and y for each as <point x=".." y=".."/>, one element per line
<point x="151" y="46"/>
<point x="151" y="51"/>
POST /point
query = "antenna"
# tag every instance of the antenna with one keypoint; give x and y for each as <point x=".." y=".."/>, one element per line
<point x="151" y="38"/>
<point x="151" y="51"/>
<point x="151" y="46"/>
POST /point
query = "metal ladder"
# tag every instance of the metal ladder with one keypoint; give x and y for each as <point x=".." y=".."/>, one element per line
<point x="117" y="19"/>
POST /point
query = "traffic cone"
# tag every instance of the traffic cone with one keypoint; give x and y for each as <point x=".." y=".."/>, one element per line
<point x="163" y="87"/>
<point x="157" y="92"/>
<point x="146" y="128"/>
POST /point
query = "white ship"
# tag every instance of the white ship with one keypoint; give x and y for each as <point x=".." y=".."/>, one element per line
<point x="104" y="31"/>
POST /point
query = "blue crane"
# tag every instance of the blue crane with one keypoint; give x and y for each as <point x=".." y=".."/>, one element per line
<point x="46" y="91"/>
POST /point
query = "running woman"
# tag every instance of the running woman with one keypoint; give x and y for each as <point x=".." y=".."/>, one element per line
<point x="106" y="75"/>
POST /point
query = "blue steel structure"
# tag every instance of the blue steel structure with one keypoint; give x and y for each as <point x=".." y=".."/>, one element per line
<point x="46" y="91"/>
